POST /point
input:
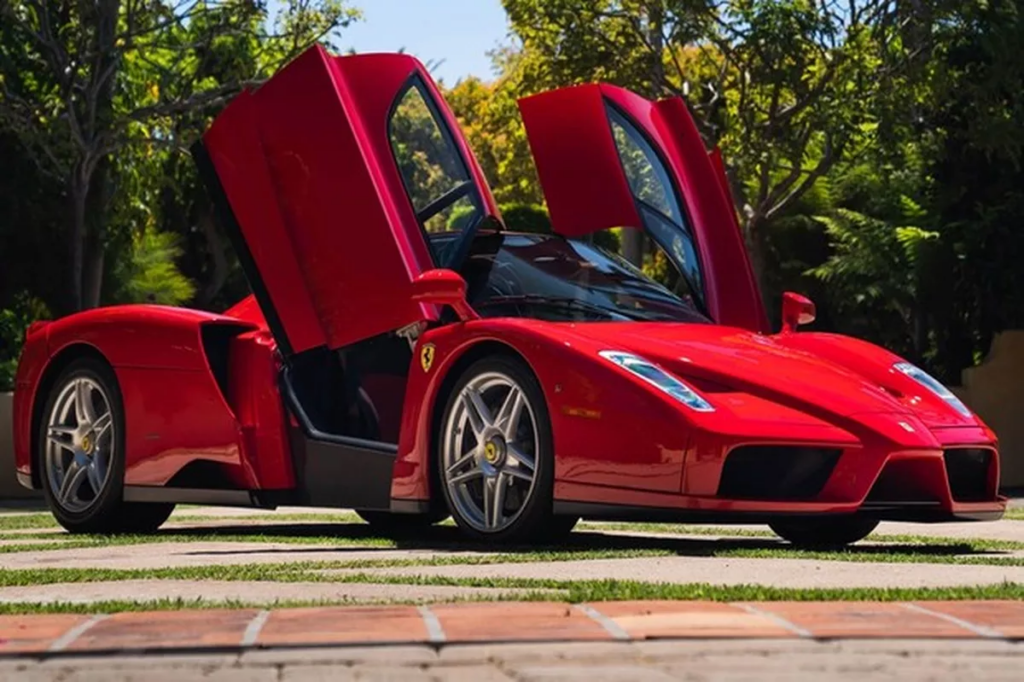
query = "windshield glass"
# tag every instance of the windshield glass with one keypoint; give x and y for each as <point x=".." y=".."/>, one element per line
<point x="550" y="277"/>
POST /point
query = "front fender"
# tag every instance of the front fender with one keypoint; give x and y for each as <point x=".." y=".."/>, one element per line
<point x="609" y="427"/>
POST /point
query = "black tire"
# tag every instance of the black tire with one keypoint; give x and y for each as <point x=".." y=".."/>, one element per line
<point x="560" y="528"/>
<point x="824" y="532"/>
<point x="389" y="524"/>
<point x="106" y="511"/>
<point x="535" y="520"/>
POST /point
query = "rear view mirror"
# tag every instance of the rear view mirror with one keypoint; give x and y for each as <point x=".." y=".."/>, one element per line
<point x="796" y="310"/>
<point x="443" y="287"/>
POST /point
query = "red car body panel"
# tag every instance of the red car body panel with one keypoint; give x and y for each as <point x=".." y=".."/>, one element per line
<point x="587" y="190"/>
<point x="306" y="171"/>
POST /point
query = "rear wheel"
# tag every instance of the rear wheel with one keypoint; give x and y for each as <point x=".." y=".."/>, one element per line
<point x="824" y="531"/>
<point x="81" y="455"/>
<point x="496" y="460"/>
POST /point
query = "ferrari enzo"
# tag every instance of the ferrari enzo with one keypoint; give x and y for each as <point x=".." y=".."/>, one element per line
<point x="405" y="355"/>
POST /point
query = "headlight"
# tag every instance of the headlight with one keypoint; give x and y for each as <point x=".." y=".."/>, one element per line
<point x="932" y="384"/>
<point x="659" y="378"/>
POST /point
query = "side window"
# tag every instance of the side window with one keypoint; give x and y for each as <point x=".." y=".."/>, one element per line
<point x="657" y="201"/>
<point x="433" y="171"/>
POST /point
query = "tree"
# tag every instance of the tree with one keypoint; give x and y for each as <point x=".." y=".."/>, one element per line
<point x="82" y="82"/>
<point x="784" y="86"/>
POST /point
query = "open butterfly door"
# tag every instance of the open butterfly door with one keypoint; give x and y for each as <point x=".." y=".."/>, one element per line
<point x="607" y="157"/>
<point x="319" y="187"/>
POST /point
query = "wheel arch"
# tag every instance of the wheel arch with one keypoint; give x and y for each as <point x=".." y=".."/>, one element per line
<point x="51" y="372"/>
<point x="460" y="361"/>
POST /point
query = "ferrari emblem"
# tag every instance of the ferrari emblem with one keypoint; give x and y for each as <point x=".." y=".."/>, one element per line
<point x="86" y="444"/>
<point x="490" y="451"/>
<point x="427" y="356"/>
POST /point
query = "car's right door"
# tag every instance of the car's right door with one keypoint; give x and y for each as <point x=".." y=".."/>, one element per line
<point x="607" y="157"/>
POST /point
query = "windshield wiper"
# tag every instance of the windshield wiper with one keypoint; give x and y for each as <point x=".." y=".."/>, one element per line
<point x="564" y="301"/>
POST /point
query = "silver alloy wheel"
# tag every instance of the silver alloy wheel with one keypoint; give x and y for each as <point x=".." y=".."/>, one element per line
<point x="489" y="452"/>
<point x="79" y="444"/>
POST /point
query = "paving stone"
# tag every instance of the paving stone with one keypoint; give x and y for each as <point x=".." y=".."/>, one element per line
<point x="788" y="573"/>
<point x="176" y="554"/>
<point x="156" y="674"/>
<point x="643" y="619"/>
<point x="35" y="633"/>
<point x="343" y="625"/>
<point x="589" y="673"/>
<point x="538" y="652"/>
<point x="248" y="591"/>
<point x="669" y="648"/>
<point x="1005" y="617"/>
<point x="166" y="629"/>
<point x="406" y="655"/>
<point x="471" y="673"/>
<point x="862" y="619"/>
<point x="515" y="621"/>
<point x="198" y="660"/>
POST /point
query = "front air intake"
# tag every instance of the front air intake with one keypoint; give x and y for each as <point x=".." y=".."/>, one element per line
<point x="776" y="472"/>
<point x="968" y="472"/>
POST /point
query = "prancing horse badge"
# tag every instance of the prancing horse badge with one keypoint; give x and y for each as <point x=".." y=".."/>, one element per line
<point x="427" y="356"/>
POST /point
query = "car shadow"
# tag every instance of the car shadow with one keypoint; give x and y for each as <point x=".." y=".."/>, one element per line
<point x="584" y="542"/>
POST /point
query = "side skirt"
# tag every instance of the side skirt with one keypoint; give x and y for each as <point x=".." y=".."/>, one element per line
<point x="211" y="496"/>
<point x="890" y="512"/>
<point x="342" y="474"/>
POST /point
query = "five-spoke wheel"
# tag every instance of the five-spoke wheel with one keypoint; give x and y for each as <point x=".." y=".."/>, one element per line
<point x="495" y="453"/>
<point x="79" y="443"/>
<point x="81" y="454"/>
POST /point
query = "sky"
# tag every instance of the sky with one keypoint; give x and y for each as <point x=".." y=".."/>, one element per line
<point x="456" y="35"/>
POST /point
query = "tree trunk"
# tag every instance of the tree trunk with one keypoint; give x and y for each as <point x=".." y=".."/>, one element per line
<point x="754" y="235"/>
<point x="77" y="194"/>
<point x="92" y="279"/>
<point x="215" y="248"/>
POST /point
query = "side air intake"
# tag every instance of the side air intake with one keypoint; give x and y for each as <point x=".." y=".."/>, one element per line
<point x="776" y="472"/>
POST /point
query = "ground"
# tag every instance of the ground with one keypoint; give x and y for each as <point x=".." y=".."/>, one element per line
<point x="243" y="581"/>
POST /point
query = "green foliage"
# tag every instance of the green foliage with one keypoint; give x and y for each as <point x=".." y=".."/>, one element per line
<point x="14" y="321"/>
<point x="526" y="218"/>
<point x="148" y="274"/>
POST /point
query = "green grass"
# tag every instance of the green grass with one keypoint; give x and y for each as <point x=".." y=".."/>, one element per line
<point x="580" y="546"/>
<point x="1015" y="514"/>
<point x="574" y="592"/>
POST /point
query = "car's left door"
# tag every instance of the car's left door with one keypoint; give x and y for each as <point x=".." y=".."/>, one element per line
<point x="331" y="174"/>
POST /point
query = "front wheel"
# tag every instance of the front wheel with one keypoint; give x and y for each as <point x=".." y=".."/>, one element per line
<point x="823" y="532"/>
<point x="495" y="454"/>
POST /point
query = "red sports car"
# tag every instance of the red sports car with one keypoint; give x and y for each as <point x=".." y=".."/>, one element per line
<point x="406" y="356"/>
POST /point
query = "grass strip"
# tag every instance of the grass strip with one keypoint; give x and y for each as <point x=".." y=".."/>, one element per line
<point x="574" y="592"/>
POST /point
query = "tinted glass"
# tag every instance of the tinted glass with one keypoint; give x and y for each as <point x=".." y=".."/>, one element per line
<point x="509" y="274"/>
<point x="431" y="166"/>
<point x="644" y="171"/>
<point x="659" y="207"/>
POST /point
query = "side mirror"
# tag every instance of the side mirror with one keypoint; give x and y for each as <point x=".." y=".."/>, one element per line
<point x="796" y="310"/>
<point x="443" y="287"/>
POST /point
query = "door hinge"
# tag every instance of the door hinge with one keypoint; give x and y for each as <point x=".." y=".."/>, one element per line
<point x="411" y="332"/>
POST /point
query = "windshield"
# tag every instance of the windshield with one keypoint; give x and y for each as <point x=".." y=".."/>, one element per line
<point x="550" y="277"/>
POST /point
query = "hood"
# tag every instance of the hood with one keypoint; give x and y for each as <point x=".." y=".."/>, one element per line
<point x="716" y="359"/>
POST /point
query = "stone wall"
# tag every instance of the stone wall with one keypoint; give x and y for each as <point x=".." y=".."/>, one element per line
<point x="995" y="390"/>
<point x="9" y="487"/>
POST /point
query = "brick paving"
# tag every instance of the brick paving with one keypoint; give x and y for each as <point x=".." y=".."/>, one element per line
<point x="799" y="660"/>
<point x="198" y="630"/>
